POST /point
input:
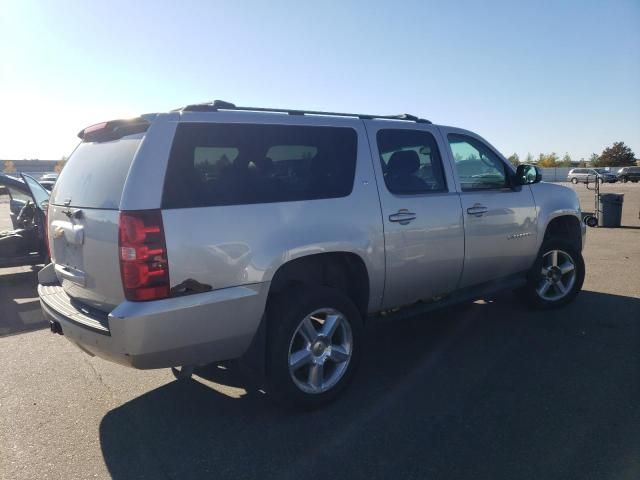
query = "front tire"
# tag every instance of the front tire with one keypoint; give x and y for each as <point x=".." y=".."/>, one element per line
<point x="314" y="346"/>
<point x="556" y="277"/>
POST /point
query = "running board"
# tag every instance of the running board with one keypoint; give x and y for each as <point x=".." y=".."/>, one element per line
<point x="467" y="294"/>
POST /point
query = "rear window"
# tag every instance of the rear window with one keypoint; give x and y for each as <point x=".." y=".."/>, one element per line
<point x="95" y="173"/>
<point x="232" y="164"/>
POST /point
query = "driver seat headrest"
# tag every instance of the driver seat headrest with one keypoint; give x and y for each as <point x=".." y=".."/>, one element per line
<point x="404" y="162"/>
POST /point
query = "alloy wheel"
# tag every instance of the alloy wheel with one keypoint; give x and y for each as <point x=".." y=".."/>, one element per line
<point x="320" y="350"/>
<point x="558" y="275"/>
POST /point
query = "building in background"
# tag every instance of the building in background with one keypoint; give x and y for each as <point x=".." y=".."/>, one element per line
<point x="35" y="168"/>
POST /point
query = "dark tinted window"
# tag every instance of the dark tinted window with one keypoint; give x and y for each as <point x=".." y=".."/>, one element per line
<point x="410" y="161"/>
<point x="95" y="173"/>
<point x="231" y="164"/>
<point x="478" y="167"/>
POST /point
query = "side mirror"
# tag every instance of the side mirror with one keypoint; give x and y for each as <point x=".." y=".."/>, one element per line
<point x="528" y="174"/>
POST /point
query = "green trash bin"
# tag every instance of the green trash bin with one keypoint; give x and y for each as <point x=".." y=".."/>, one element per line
<point x="610" y="206"/>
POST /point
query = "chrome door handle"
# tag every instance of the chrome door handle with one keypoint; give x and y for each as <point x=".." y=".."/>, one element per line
<point x="477" y="210"/>
<point x="403" y="217"/>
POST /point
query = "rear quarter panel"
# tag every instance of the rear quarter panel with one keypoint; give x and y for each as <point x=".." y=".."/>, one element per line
<point x="227" y="246"/>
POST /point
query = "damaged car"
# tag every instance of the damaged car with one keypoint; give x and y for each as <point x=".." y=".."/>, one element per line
<point x="26" y="242"/>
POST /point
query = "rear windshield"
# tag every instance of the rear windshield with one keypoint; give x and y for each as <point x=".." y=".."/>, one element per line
<point x="95" y="173"/>
<point x="222" y="164"/>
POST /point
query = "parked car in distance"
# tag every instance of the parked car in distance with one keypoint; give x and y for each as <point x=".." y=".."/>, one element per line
<point x="629" y="174"/>
<point x="49" y="177"/>
<point x="48" y="184"/>
<point x="216" y="232"/>
<point x="26" y="243"/>
<point x="591" y="175"/>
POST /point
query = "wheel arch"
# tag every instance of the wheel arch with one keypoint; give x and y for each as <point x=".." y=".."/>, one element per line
<point x="345" y="271"/>
<point x="565" y="225"/>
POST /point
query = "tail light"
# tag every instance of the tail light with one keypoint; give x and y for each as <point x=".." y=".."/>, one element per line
<point x="144" y="267"/>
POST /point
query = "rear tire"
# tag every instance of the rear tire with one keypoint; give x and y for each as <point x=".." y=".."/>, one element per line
<point x="314" y="336"/>
<point x="556" y="277"/>
<point x="574" y="180"/>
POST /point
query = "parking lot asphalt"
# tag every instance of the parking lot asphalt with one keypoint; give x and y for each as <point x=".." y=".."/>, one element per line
<point x="488" y="390"/>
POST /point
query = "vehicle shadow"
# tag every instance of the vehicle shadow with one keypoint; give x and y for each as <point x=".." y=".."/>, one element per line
<point x="487" y="390"/>
<point x="20" y="309"/>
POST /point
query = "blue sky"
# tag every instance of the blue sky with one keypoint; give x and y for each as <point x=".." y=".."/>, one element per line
<point x="530" y="76"/>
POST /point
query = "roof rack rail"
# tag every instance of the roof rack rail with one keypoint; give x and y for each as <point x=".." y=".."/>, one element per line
<point x="217" y="105"/>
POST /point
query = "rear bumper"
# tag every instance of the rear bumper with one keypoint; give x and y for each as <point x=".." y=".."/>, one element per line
<point x="190" y="330"/>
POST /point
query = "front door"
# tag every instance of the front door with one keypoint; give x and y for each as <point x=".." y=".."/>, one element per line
<point x="500" y="220"/>
<point x="423" y="229"/>
<point x="24" y="244"/>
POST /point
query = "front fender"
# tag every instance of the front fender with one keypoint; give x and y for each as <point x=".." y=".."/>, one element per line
<point x="553" y="201"/>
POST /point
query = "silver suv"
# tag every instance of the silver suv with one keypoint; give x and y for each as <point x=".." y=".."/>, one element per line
<point x="216" y="232"/>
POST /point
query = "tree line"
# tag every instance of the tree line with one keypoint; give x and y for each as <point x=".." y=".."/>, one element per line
<point x="617" y="155"/>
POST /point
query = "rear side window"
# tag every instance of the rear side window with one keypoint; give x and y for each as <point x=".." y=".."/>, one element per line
<point x="235" y="164"/>
<point x="411" y="162"/>
<point x="95" y="173"/>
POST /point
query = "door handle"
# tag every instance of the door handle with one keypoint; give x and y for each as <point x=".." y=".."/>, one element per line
<point x="403" y="217"/>
<point x="477" y="210"/>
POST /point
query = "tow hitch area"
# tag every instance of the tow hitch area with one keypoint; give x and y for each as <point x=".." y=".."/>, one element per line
<point x="55" y="327"/>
